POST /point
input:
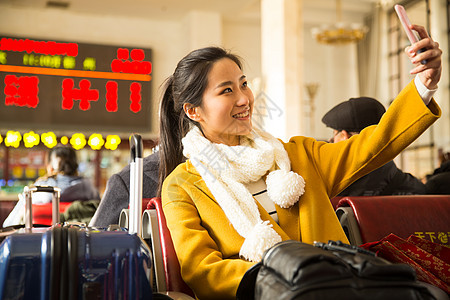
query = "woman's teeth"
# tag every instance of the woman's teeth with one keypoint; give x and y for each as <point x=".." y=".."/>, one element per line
<point x="241" y="115"/>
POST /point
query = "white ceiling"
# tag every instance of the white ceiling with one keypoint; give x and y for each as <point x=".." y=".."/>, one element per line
<point x="315" y="11"/>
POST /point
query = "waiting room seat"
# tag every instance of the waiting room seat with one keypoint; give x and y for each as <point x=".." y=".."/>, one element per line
<point x="335" y="201"/>
<point x="42" y="213"/>
<point x="371" y="218"/>
<point x="124" y="216"/>
<point x="165" y="262"/>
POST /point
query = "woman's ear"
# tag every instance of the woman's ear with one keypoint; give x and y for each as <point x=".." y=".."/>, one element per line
<point x="53" y="165"/>
<point x="346" y="134"/>
<point x="191" y="112"/>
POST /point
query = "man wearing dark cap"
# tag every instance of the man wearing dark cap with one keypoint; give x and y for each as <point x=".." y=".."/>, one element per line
<point x="351" y="117"/>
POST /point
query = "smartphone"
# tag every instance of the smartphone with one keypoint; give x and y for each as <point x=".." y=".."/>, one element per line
<point x="412" y="35"/>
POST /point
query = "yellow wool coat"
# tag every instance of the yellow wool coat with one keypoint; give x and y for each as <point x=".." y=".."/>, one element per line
<point x="205" y="241"/>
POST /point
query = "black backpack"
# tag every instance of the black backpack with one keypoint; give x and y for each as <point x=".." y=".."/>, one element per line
<point x="296" y="270"/>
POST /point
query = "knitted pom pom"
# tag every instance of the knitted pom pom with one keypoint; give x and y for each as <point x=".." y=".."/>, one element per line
<point x="260" y="238"/>
<point x="285" y="188"/>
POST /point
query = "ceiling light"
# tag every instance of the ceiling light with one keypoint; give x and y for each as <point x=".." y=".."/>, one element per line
<point x="57" y="4"/>
<point x="340" y="32"/>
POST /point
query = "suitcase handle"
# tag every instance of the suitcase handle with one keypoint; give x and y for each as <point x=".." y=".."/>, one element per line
<point x="28" y="191"/>
<point x="136" y="147"/>
<point x="136" y="174"/>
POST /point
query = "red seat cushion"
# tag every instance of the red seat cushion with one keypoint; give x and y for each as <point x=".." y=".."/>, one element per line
<point x="145" y="202"/>
<point x="425" y="216"/>
<point x="42" y="213"/>
<point x="335" y="201"/>
<point x="172" y="271"/>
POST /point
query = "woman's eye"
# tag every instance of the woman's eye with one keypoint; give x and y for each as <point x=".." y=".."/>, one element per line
<point x="227" y="90"/>
<point x="245" y="84"/>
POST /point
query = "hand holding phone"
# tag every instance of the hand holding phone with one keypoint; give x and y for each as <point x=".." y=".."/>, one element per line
<point x="412" y="35"/>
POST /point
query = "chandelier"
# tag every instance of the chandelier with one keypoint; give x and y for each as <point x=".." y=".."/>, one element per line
<point x="340" y="32"/>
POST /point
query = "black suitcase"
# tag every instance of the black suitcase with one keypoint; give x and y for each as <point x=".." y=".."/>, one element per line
<point x="295" y="270"/>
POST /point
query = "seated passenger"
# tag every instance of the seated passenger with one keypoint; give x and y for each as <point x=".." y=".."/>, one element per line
<point x="241" y="190"/>
<point x="349" y="118"/>
<point x="438" y="182"/>
<point x="62" y="172"/>
<point x="117" y="192"/>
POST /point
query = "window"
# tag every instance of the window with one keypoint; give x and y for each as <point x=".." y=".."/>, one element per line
<point x="419" y="158"/>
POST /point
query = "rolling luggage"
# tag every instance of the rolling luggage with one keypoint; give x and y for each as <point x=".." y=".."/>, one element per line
<point x="72" y="261"/>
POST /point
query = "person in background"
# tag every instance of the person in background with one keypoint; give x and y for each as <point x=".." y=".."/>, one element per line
<point x="117" y="192"/>
<point x="349" y="118"/>
<point x="438" y="183"/>
<point x="62" y="172"/>
<point x="241" y="190"/>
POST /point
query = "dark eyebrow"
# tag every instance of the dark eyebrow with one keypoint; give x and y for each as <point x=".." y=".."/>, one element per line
<point x="225" y="83"/>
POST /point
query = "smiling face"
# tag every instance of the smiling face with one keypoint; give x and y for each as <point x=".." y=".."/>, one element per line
<point x="227" y="106"/>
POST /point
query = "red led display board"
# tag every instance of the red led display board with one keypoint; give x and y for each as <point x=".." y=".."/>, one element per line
<point x="55" y="85"/>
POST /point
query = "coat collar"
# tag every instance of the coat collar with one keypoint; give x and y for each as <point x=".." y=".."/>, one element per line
<point x="198" y="180"/>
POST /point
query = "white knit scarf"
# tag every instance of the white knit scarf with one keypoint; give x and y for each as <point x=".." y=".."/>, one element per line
<point x="226" y="170"/>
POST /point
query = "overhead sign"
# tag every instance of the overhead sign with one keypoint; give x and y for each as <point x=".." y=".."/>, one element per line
<point x="74" y="86"/>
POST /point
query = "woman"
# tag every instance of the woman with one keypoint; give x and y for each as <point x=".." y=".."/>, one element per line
<point x="218" y="229"/>
<point x="62" y="172"/>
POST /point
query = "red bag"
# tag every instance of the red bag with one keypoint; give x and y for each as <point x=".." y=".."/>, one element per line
<point x="438" y="250"/>
<point x="430" y="260"/>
